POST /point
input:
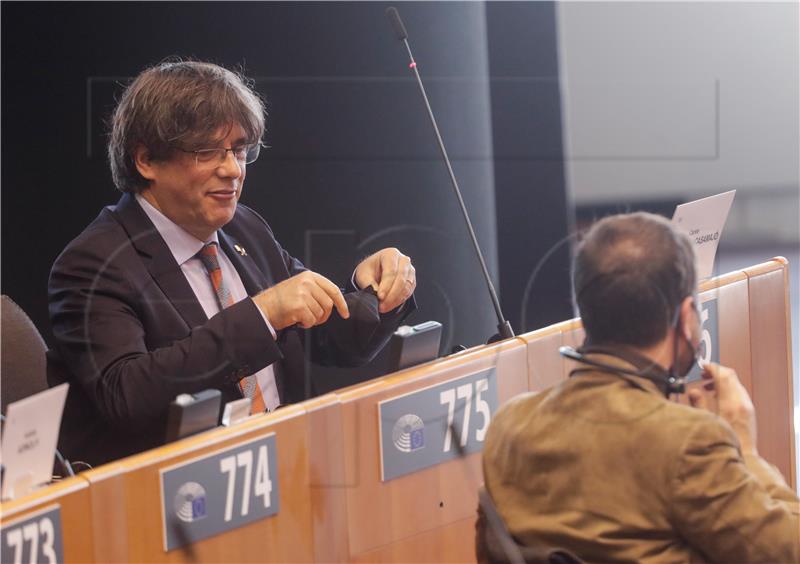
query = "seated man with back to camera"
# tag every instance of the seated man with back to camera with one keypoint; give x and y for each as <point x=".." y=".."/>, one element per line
<point x="603" y="464"/>
<point x="178" y="288"/>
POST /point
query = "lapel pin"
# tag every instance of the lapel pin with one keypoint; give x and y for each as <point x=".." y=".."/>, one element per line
<point x="239" y="249"/>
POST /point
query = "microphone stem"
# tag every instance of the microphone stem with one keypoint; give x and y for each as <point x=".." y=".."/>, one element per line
<point x="504" y="327"/>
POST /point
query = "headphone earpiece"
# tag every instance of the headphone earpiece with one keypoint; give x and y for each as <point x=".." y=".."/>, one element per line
<point x="667" y="382"/>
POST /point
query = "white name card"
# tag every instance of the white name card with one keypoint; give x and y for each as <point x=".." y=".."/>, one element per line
<point x="703" y="221"/>
<point x="29" y="440"/>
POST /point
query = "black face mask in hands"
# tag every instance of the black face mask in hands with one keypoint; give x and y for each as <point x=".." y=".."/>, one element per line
<point x="354" y="334"/>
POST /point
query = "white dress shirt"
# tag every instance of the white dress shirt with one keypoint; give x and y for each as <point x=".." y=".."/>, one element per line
<point x="184" y="247"/>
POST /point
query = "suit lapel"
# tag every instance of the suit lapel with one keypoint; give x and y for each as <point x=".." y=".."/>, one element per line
<point x="253" y="278"/>
<point x="159" y="260"/>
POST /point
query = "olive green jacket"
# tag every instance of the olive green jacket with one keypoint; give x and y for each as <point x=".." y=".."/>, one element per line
<point x="610" y="469"/>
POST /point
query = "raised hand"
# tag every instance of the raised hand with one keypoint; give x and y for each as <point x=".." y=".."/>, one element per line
<point x="306" y="299"/>
<point x="391" y="275"/>
<point x="733" y="401"/>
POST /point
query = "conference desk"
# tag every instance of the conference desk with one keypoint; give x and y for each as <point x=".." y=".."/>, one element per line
<point x="427" y="514"/>
<point x="69" y="499"/>
<point x="339" y="485"/>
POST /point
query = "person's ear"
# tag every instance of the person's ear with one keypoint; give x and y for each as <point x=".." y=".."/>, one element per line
<point x="144" y="162"/>
<point x="689" y="318"/>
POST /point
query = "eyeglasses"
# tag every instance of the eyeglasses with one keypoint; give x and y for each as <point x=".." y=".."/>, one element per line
<point x="212" y="158"/>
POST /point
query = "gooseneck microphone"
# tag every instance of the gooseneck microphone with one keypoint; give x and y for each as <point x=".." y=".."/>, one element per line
<point x="504" y="330"/>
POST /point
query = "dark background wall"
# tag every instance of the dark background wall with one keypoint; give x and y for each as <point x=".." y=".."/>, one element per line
<point x="353" y="165"/>
<point x="532" y="204"/>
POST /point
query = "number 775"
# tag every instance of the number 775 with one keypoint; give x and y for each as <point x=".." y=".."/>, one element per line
<point x="464" y="392"/>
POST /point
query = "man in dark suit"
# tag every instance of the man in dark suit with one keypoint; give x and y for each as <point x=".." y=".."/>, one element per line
<point x="178" y="288"/>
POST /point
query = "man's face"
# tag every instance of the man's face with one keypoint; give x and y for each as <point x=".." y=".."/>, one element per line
<point x="201" y="199"/>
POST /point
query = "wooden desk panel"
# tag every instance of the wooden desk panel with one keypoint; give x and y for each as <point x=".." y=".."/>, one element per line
<point x="72" y="495"/>
<point x="451" y="543"/>
<point x="109" y="512"/>
<point x="327" y="481"/>
<point x="287" y="536"/>
<point x="772" y="390"/>
<point x="388" y="515"/>
<point x="545" y="365"/>
<point x="734" y="328"/>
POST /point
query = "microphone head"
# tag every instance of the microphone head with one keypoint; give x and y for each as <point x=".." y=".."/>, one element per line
<point x="397" y="23"/>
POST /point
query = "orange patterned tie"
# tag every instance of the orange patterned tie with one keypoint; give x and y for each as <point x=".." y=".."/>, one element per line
<point x="248" y="384"/>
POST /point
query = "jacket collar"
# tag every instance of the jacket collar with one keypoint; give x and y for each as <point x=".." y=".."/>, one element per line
<point x="628" y="360"/>
<point x="253" y="278"/>
<point x="182" y="244"/>
<point x="166" y="271"/>
<point x="159" y="260"/>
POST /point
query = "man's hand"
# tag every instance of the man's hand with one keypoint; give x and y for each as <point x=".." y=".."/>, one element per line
<point x="733" y="401"/>
<point x="391" y="275"/>
<point x="306" y="299"/>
